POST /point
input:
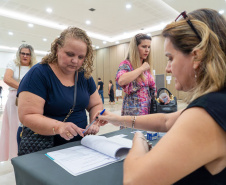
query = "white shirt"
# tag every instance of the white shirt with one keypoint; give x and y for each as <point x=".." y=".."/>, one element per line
<point x="23" y="70"/>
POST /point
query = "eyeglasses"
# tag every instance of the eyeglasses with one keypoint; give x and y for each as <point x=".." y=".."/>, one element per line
<point x="22" y="53"/>
<point x="184" y="15"/>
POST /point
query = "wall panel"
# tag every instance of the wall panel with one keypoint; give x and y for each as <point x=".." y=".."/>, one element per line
<point x="107" y="61"/>
<point x="107" y="70"/>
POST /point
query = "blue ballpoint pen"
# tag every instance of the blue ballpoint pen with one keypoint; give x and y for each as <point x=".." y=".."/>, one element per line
<point x="93" y="122"/>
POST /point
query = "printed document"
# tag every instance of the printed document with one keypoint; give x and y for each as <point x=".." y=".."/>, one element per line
<point x="95" y="152"/>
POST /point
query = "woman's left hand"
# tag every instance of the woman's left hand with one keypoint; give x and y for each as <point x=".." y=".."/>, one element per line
<point x="93" y="129"/>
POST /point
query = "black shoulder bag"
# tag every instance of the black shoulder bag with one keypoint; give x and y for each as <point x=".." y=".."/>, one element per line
<point x="33" y="142"/>
<point x="158" y="107"/>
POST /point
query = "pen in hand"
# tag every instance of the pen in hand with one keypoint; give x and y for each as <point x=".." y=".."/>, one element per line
<point x="93" y="122"/>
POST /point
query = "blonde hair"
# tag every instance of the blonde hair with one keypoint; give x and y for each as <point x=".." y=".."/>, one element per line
<point x="211" y="74"/>
<point x="133" y="54"/>
<point x="76" y="33"/>
<point x="33" y="56"/>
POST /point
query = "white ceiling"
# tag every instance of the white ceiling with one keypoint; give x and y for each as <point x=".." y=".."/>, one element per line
<point x="110" y="21"/>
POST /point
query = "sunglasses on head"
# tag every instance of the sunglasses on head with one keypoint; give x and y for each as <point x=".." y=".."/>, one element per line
<point x="184" y="15"/>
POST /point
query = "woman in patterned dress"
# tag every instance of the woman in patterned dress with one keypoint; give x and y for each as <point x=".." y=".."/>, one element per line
<point x="135" y="77"/>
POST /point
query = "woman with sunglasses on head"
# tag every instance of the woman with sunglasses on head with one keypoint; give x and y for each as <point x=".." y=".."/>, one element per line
<point x="135" y="77"/>
<point x="193" y="151"/>
<point x="15" y="71"/>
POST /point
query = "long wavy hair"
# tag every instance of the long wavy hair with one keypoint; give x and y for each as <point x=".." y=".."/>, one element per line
<point x="133" y="54"/>
<point x="211" y="27"/>
<point x="76" y="33"/>
<point x="33" y="56"/>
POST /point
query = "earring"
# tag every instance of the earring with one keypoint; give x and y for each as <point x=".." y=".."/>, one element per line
<point x="195" y="75"/>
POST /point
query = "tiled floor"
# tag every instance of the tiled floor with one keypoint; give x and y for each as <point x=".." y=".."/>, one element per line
<point x="6" y="169"/>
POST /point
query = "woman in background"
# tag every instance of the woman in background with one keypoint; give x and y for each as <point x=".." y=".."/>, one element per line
<point x="111" y="92"/>
<point x="135" y="77"/>
<point x="15" y="71"/>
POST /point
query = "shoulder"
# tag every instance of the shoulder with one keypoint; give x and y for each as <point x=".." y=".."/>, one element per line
<point x="125" y="62"/>
<point x="214" y="104"/>
<point x="219" y="98"/>
<point x="39" y="72"/>
<point x="89" y="83"/>
<point x="40" y="68"/>
<point x="11" y="65"/>
<point x="125" y="65"/>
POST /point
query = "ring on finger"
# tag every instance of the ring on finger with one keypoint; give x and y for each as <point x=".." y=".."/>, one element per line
<point x="68" y="134"/>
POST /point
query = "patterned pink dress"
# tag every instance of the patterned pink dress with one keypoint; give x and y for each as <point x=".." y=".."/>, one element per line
<point x="137" y="100"/>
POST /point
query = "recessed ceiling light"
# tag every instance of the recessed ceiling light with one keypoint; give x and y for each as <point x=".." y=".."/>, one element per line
<point x="92" y="9"/>
<point x="117" y="42"/>
<point x="221" y="11"/>
<point x="97" y="47"/>
<point x="10" y="33"/>
<point x="128" y="6"/>
<point x="31" y="25"/>
<point x="49" y="10"/>
<point x="44" y="39"/>
<point x="104" y="42"/>
<point x="88" y="22"/>
<point x="148" y="34"/>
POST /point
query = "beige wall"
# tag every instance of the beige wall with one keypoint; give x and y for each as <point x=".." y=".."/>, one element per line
<point x="107" y="60"/>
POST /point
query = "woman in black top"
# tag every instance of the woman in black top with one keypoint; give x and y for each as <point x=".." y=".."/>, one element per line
<point x="193" y="151"/>
<point x="111" y="92"/>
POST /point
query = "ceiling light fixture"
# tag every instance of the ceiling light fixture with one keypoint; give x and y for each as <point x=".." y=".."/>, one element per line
<point x="128" y="6"/>
<point x="30" y="25"/>
<point x="31" y="19"/>
<point x="54" y="25"/>
<point x="44" y="39"/>
<point x="104" y="42"/>
<point x="117" y="42"/>
<point x="92" y="9"/>
<point x="49" y="10"/>
<point x="221" y="11"/>
<point x="97" y="47"/>
<point x="88" y="22"/>
<point x="10" y="33"/>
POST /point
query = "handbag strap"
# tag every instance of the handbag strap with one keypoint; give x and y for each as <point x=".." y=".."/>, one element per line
<point x="72" y="109"/>
<point x="75" y="95"/>
<point x="170" y="94"/>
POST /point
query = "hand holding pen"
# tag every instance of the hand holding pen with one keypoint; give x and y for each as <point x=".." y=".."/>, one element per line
<point x="92" y="122"/>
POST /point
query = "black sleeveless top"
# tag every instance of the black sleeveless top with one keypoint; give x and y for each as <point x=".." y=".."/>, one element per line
<point x="215" y="104"/>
